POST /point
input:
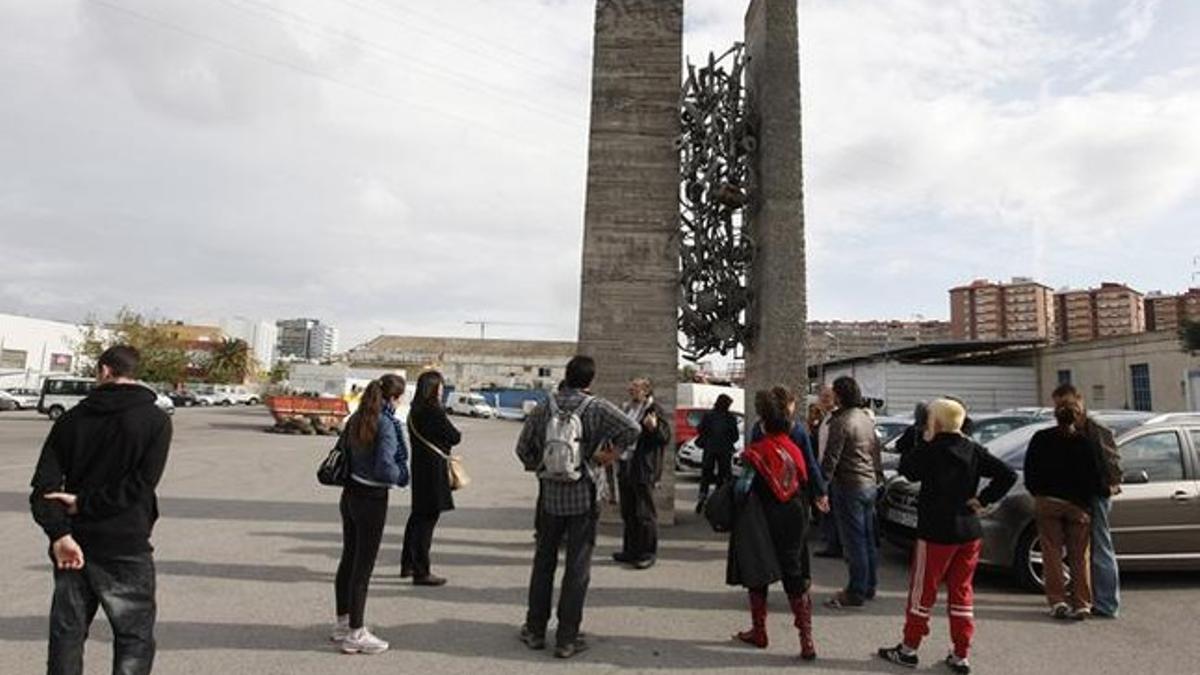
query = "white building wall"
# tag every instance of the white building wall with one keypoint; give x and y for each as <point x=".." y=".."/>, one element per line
<point x="31" y="349"/>
<point x="902" y="386"/>
<point x="260" y="335"/>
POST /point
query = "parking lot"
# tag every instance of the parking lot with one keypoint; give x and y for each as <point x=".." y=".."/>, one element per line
<point x="248" y="542"/>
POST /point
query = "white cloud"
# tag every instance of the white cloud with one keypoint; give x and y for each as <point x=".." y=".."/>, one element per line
<point x="392" y="164"/>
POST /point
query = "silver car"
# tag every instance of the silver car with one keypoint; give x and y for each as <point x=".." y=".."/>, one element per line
<point x="1155" y="520"/>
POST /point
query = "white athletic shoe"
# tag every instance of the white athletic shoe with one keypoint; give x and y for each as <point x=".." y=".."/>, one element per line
<point x="361" y="641"/>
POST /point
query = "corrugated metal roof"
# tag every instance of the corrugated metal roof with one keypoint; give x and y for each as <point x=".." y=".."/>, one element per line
<point x="448" y="347"/>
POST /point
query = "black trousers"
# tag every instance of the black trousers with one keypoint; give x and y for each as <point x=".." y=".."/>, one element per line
<point x="717" y="468"/>
<point x="418" y="539"/>
<point x="124" y="587"/>
<point x="580" y="535"/>
<point x="641" y="519"/>
<point x="364" y="513"/>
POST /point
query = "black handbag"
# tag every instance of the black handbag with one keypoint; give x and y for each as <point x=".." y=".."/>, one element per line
<point x="719" y="508"/>
<point x="335" y="470"/>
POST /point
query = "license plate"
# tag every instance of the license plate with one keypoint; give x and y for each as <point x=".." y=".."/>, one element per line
<point x="904" y="518"/>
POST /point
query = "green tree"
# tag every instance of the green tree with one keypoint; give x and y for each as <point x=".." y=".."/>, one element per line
<point x="163" y="358"/>
<point x="230" y="363"/>
<point x="279" y="373"/>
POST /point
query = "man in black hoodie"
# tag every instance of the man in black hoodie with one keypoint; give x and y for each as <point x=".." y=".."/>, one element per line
<point x="93" y="495"/>
<point x="949" y="467"/>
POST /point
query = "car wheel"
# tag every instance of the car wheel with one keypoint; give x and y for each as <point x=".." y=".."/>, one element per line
<point x="226" y="403"/>
<point x="252" y="401"/>
<point x="55" y="412"/>
<point x="1028" y="568"/>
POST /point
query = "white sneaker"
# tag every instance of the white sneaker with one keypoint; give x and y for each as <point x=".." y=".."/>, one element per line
<point x="1061" y="611"/>
<point x="341" y="630"/>
<point x="361" y="641"/>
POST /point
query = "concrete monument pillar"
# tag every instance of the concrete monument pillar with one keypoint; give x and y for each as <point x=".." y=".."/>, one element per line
<point x="630" y="280"/>
<point x="775" y="213"/>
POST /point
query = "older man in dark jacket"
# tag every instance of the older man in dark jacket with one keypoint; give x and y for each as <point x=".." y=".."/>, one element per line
<point x="637" y="474"/>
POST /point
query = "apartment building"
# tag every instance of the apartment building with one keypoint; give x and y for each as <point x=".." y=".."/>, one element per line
<point x="1169" y="312"/>
<point x="830" y="340"/>
<point x="1019" y="309"/>
<point x="306" y="339"/>
<point x="1089" y="314"/>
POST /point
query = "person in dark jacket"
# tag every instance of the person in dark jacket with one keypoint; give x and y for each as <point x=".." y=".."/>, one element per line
<point x="1064" y="475"/>
<point x="432" y="436"/>
<point x="776" y="482"/>
<point x="914" y="435"/>
<point x="378" y="461"/>
<point x="1106" y="575"/>
<point x="94" y="497"/>
<point x="949" y="466"/>
<point x="717" y="438"/>
<point x="638" y="472"/>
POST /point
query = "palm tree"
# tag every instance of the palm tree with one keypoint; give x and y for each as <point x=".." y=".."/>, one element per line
<point x="230" y="363"/>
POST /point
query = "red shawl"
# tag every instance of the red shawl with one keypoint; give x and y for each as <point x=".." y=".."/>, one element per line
<point x="779" y="463"/>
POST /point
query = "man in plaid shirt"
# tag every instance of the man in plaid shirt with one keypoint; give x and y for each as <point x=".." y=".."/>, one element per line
<point x="569" y="510"/>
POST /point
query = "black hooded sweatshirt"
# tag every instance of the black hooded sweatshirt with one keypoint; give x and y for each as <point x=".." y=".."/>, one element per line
<point x="110" y="451"/>
<point x="949" y="469"/>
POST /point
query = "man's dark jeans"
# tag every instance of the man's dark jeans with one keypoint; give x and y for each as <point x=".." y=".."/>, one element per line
<point x="856" y="529"/>
<point x="580" y="534"/>
<point x="640" y="517"/>
<point x="124" y="587"/>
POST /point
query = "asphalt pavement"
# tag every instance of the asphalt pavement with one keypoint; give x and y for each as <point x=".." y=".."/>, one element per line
<point x="248" y="542"/>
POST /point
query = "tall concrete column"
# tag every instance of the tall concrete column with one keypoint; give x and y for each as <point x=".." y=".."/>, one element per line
<point x="630" y="279"/>
<point x="776" y="210"/>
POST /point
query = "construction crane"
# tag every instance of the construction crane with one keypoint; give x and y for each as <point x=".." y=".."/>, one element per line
<point x="484" y="324"/>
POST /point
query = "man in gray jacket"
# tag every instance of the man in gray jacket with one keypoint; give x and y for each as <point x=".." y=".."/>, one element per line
<point x="851" y="462"/>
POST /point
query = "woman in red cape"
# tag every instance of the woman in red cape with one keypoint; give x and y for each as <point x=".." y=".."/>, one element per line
<point x="775" y="483"/>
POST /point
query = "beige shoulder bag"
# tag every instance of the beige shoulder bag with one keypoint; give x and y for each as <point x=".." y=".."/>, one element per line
<point x="455" y="470"/>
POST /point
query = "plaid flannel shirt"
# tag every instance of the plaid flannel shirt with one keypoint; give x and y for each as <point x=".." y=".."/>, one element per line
<point x="603" y="423"/>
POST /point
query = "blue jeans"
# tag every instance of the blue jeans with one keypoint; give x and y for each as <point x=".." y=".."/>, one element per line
<point x="856" y="529"/>
<point x="124" y="587"/>
<point x="1106" y="576"/>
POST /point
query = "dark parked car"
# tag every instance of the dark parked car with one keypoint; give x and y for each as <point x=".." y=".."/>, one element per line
<point x="1155" y="520"/>
<point x="183" y="398"/>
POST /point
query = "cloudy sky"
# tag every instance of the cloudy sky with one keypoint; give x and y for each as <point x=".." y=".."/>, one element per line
<point x="410" y="165"/>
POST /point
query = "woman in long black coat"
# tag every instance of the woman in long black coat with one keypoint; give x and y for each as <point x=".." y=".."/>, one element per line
<point x="431" y="435"/>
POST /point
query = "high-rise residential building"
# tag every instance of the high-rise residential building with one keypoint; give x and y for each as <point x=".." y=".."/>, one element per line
<point x="262" y="336"/>
<point x="1089" y="314"/>
<point x="986" y="310"/>
<point x="306" y="339"/>
<point x="1169" y="312"/>
<point x="830" y="340"/>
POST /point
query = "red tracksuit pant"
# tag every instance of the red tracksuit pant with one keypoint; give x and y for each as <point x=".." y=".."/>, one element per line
<point x="933" y="564"/>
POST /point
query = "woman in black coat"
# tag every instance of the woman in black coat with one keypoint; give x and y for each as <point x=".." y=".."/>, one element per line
<point x="432" y="436"/>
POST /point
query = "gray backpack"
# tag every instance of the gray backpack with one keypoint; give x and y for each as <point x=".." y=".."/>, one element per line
<point x="562" y="456"/>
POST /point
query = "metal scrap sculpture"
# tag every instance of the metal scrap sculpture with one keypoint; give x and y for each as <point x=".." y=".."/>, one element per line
<point x="715" y="249"/>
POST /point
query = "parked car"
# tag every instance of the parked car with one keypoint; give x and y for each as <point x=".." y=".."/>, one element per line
<point x="60" y="394"/>
<point x="689" y="457"/>
<point x="467" y="403"/>
<point x="984" y="428"/>
<point x="184" y="398"/>
<point x="227" y="396"/>
<point x="26" y="399"/>
<point x="8" y="402"/>
<point x="1155" y="520"/>
<point x="888" y="428"/>
<point x="687" y="424"/>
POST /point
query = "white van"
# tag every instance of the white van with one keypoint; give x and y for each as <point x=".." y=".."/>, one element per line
<point x="467" y="403"/>
<point x="60" y="394"/>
